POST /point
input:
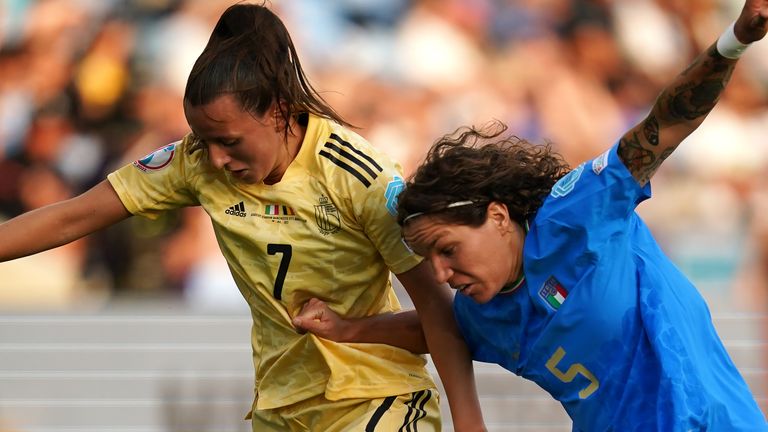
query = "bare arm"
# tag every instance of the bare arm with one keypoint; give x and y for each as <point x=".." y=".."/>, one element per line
<point x="60" y="223"/>
<point x="404" y="330"/>
<point x="684" y="104"/>
<point x="449" y="352"/>
<point x="401" y="329"/>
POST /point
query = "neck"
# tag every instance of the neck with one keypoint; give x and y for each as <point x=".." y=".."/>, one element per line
<point x="293" y="144"/>
<point x="517" y="276"/>
<point x="294" y="141"/>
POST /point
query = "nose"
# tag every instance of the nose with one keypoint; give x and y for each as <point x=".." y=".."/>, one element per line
<point x="442" y="270"/>
<point x="218" y="156"/>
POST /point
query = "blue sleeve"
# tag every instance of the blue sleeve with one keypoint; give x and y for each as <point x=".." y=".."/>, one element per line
<point x="597" y="193"/>
<point x="587" y="215"/>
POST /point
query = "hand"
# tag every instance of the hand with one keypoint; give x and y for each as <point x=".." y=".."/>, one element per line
<point x="317" y="318"/>
<point x="752" y="24"/>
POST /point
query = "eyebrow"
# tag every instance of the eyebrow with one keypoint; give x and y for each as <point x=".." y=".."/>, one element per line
<point x="430" y="247"/>
<point x="223" y="138"/>
<point x="215" y="138"/>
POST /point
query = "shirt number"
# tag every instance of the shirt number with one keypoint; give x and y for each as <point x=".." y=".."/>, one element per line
<point x="570" y="374"/>
<point x="286" y="251"/>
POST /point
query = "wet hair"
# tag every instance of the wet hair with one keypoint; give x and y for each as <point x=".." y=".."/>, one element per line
<point x="250" y="55"/>
<point x="466" y="170"/>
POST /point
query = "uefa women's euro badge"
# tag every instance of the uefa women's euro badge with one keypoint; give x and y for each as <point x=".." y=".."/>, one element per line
<point x="158" y="159"/>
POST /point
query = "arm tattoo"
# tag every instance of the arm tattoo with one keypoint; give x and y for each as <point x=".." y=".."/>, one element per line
<point x="640" y="161"/>
<point x="651" y="130"/>
<point x="637" y="158"/>
<point x="692" y="101"/>
<point x="703" y="83"/>
<point x="683" y="105"/>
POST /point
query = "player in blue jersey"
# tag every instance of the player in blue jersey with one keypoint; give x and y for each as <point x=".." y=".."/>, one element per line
<point x="560" y="280"/>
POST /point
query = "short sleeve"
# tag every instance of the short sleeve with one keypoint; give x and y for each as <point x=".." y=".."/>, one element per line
<point x="155" y="183"/>
<point x="595" y="194"/>
<point x="377" y="215"/>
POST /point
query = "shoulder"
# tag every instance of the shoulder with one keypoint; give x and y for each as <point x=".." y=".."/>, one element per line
<point x="345" y="156"/>
<point x="593" y="189"/>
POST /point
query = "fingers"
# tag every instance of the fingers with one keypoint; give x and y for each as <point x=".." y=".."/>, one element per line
<point x="752" y="23"/>
<point x="311" y="315"/>
<point x="319" y="319"/>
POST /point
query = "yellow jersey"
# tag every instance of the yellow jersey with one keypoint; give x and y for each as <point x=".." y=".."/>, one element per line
<point x="326" y="230"/>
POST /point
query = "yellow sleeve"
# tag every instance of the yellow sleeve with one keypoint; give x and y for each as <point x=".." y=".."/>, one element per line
<point x="374" y="204"/>
<point x="158" y="182"/>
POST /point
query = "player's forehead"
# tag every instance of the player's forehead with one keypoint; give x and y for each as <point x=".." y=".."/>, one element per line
<point x="422" y="234"/>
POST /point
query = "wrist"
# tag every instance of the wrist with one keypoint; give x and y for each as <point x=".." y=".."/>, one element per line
<point x="728" y="45"/>
<point x="349" y="330"/>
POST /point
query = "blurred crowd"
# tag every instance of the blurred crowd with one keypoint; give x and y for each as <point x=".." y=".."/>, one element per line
<point x="89" y="85"/>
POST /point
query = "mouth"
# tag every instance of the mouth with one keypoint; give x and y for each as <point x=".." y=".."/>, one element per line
<point x="460" y="288"/>
<point x="238" y="173"/>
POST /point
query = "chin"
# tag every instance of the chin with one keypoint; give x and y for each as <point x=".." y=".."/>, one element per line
<point x="480" y="298"/>
<point x="249" y="180"/>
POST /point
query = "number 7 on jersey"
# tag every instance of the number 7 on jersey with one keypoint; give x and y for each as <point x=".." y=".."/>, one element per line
<point x="286" y="251"/>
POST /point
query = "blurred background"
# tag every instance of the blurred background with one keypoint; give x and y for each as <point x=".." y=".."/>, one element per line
<point x="87" y="86"/>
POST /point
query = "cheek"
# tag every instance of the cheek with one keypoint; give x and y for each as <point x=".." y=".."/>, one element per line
<point x="263" y="154"/>
<point x="250" y="155"/>
<point x="492" y="258"/>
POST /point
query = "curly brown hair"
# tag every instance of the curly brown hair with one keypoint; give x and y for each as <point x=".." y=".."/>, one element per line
<point x="481" y="165"/>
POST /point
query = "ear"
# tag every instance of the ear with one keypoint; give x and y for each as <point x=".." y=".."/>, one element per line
<point x="277" y="116"/>
<point x="499" y="214"/>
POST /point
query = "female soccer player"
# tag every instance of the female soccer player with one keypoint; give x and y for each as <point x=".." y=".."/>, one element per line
<point x="302" y="208"/>
<point x="560" y="281"/>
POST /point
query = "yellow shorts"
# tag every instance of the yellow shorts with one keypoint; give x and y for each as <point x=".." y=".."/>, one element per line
<point x="417" y="411"/>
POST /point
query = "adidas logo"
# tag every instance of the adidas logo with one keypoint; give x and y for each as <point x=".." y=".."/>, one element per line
<point x="236" y="210"/>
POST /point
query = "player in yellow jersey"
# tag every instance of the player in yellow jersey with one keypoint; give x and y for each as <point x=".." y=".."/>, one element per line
<point x="303" y="208"/>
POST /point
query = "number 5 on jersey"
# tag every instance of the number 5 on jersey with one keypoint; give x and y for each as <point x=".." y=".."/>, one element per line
<point x="286" y="251"/>
<point x="570" y="374"/>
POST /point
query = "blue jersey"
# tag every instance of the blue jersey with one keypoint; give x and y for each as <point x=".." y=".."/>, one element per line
<point x="605" y="322"/>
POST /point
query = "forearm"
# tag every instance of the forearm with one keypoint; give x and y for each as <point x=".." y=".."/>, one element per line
<point x="58" y="224"/>
<point x="401" y="329"/>
<point x="678" y="111"/>
<point x="454" y="365"/>
<point x="446" y="345"/>
<point x="695" y="92"/>
<point x="35" y="231"/>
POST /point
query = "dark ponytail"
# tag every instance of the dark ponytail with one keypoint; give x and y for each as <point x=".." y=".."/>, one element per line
<point x="251" y="56"/>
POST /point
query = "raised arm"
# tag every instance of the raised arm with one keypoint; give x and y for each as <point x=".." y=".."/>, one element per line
<point x="60" y="223"/>
<point x="684" y="104"/>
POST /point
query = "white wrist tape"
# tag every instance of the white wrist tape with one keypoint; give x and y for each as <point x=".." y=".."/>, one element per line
<point x="728" y="46"/>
